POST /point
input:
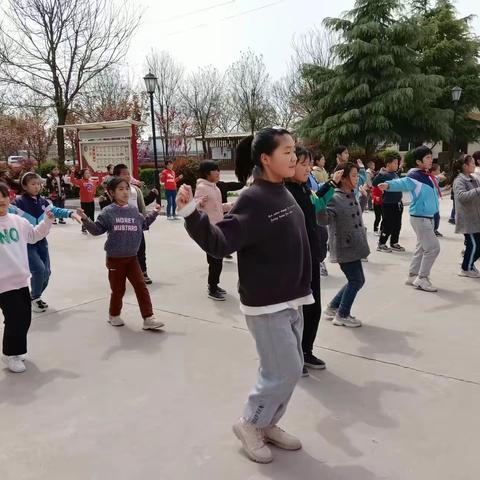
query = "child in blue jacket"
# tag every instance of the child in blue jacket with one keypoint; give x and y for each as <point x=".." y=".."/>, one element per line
<point x="33" y="207"/>
<point x="425" y="193"/>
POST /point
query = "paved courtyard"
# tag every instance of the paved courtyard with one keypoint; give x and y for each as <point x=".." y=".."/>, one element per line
<point x="399" y="400"/>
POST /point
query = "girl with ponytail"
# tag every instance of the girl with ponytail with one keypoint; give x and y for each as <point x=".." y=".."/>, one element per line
<point x="266" y="228"/>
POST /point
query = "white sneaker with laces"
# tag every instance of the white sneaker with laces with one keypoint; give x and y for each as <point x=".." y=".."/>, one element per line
<point x="329" y="313"/>
<point x="38" y="306"/>
<point x="424" y="284"/>
<point x="115" y="321"/>
<point x="349" y="321"/>
<point x="151" y="323"/>
<point x="253" y="441"/>
<point x="281" y="439"/>
<point x="15" y="364"/>
<point x="469" y="273"/>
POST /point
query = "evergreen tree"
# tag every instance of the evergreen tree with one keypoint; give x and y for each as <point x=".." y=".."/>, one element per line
<point x="450" y="49"/>
<point x="377" y="93"/>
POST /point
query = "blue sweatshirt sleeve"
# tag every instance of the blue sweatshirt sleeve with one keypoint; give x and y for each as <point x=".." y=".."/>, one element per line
<point x="362" y="177"/>
<point x="61" y="212"/>
<point x="405" y="184"/>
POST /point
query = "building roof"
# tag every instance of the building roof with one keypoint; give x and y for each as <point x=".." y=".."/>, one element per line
<point x="224" y="136"/>
<point x="103" y="125"/>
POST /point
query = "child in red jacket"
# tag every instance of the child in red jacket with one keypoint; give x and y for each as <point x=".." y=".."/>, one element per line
<point x="88" y="189"/>
<point x="169" y="180"/>
<point x="377" y="198"/>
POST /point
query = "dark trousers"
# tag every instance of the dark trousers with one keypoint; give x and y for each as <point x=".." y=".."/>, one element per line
<point x="89" y="209"/>
<point x="378" y="217"/>
<point x="17" y="311"/>
<point x="215" y="266"/>
<point x="312" y="313"/>
<point x="436" y="221"/>
<point x="344" y="299"/>
<point x="391" y="223"/>
<point x="119" y="270"/>
<point x="142" y="254"/>
<point x="59" y="202"/>
<point x="472" y="251"/>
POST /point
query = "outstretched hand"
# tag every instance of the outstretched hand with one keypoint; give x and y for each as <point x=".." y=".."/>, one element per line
<point x="337" y="176"/>
<point x="184" y="196"/>
<point x="50" y="215"/>
<point x="157" y="208"/>
<point x="383" y="186"/>
<point x="75" y="216"/>
<point x="81" y="214"/>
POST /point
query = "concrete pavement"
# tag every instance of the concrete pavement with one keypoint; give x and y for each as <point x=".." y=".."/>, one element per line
<point x="398" y="400"/>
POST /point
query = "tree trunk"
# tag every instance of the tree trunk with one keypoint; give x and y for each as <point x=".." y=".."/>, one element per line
<point x="62" y="117"/>
<point x="205" y="148"/>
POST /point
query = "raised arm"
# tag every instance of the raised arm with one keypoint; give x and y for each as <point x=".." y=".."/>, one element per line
<point x="99" y="227"/>
<point x="151" y="217"/>
<point x="40" y="231"/>
<point x="405" y="184"/>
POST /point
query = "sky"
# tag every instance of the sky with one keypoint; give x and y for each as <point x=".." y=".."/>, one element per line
<point x="214" y="32"/>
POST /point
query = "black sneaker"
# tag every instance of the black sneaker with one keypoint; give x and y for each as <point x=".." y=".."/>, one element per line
<point x="221" y="290"/>
<point x="312" y="361"/>
<point x="305" y="372"/>
<point x="228" y="257"/>
<point x="147" y="279"/>
<point x="217" y="296"/>
<point x="438" y="234"/>
<point x="62" y="221"/>
<point x="451" y="221"/>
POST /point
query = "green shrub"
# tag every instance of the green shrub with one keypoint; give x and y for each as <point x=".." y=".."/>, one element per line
<point x="147" y="176"/>
<point x="45" y="168"/>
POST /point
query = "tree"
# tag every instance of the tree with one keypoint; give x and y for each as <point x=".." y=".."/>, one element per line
<point x="450" y="49"/>
<point x="285" y="102"/>
<point x="202" y="93"/>
<point x="169" y="76"/>
<point x="377" y="93"/>
<point x="56" y="47"/>
<point x="226" y="120"/>
<point x="11" y="136"/>
<point x="249" y="89"/>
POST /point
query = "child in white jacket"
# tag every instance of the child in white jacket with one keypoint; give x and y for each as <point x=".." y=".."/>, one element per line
<point x="15" y="303"/>
<point x="210" y="199"/>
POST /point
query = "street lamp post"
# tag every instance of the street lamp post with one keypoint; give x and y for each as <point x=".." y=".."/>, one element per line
<point x="456" y="94"/>
<point x="150" y="85"/>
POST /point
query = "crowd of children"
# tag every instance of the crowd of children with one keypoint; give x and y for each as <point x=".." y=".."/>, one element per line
<point x="286" y="220"/>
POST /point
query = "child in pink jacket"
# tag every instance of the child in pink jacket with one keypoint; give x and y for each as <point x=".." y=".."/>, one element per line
<point x="210" y="201"/>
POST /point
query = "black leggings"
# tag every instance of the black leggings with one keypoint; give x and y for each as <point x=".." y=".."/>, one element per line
<point x="89" y="209"/>
<point x="378" y="217"/>
<point x="215" y="266"/>
<point x="17" y="309"/>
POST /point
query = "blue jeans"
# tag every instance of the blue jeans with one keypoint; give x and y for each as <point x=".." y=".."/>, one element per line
<point x="171" y="206"/>
<point x="39" y="263"/>
<point x="344" y="299"/>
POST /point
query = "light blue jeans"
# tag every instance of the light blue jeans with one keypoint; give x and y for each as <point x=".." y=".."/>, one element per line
<point x="278" y="337"/>
<point x="39" y="263"/>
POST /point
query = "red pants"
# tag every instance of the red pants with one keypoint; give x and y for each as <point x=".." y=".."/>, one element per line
<point x="119" y="269"/>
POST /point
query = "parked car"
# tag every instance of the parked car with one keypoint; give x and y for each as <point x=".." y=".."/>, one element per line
<point x="15" y="160"/>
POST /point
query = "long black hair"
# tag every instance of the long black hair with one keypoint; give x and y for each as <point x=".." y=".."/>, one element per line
<point x="249" y="151"/>
<point x="458" y="165"/>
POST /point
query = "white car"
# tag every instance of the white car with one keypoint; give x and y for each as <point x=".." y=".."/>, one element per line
<point x="15" y="160"/>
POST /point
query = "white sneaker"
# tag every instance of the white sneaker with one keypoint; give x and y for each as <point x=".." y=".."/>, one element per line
<point x="329" y="313"/>
<point x="15" y="364"/>
<point x="38" y="306"/>
<point x="424" y="284"/>
<point x="349" y="321"/>
<point x="151" y="323"/>
<point x="384" y="248"/>
<point x="469" y="273"/>
<point x="253" y="441"/>
<point x="115" y="321"/>
<point x="365" y="260"/>
<point x="281" y="439"/>
<point x="410" y="280"/>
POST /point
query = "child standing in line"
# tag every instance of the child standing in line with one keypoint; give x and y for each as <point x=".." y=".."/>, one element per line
<point x="209" y="196"/>
<point x="392" y="207"/>
<point x="169" y="180"/>
<point x="33" y="208"/>
<point x="15" y="235"/>
<point x="124" y="225"/>
<point x="348" y="245"/>
<point x="310" y="203"/>
<point x="88" y="189"/>
<point x="425" y="194"/>
<point x="56" y="190"/>
<point x="266" y="228"/>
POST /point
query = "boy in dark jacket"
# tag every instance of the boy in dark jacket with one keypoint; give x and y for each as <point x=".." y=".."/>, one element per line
<point x="392" y="208"/>
<point x="56" y="187"/>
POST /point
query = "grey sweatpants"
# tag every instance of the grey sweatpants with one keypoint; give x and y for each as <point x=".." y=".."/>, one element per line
<point x="278" y="337"/>
<point x="428" y="247"/>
